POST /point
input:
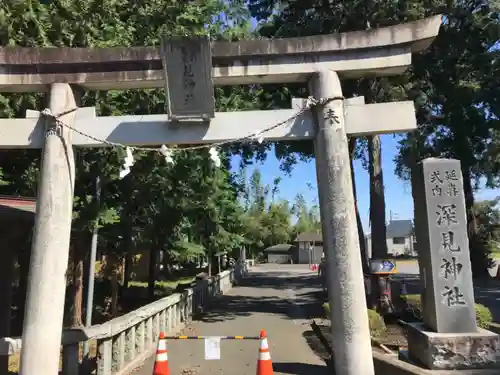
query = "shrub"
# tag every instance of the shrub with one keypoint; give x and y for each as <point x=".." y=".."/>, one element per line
<point x="483" y="314"/>
<point x="376" y="322"/>
<point x="326" y="309"/>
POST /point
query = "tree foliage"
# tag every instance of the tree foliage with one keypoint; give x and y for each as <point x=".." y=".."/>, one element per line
<point x="184" y="210"/>
<point x="457" y="111"/>
<point x="454" y="83"/>
<point x="488" y="221"/>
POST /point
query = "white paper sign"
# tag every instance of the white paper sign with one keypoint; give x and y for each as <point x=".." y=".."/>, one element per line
<point x="212" y="348"/>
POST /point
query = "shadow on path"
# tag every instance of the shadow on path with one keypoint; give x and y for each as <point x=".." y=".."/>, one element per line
<point x="279" y="280"/>
<point x="295" y="368"/>
<point x="315" y="343"/>
<point x="227" y="307"/>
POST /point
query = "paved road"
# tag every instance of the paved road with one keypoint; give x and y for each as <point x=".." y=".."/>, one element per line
<point x="410" y="267"/>
<point x="277" y="298"/>
<point x="485" y="294"/>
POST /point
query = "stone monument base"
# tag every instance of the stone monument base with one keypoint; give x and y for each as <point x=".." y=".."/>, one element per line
<point x="453" y="351"/>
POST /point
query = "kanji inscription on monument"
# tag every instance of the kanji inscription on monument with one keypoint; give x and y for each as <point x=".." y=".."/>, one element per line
<point x="441" y="229"/>
<point x="187" y="63"/>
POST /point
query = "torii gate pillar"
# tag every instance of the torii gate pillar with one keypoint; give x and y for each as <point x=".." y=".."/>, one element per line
<point x="43" y="317"/>
<point x="349" y="320"/>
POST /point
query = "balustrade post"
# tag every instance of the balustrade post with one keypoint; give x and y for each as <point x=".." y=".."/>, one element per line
<point x="141" y="337"/>
<point x="156" y="326"/>
<point x="169" y="319"/>
<point x="130" y="344"/>
<point x="104" y="357"/>
<point x="118" y="356"/>
<point x="149" y="333"/>
<point x="71" y="359"/>
<point x="163" y="321"/>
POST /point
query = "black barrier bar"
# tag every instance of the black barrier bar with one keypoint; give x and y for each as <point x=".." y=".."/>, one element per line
<point x="208" y="337"/>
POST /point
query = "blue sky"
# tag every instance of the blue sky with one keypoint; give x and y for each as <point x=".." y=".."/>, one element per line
<point x="398" y="199"/>
<point x="397" y="192"/>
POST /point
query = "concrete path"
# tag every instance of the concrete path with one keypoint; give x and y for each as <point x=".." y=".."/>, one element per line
<point x="277" y="298"/>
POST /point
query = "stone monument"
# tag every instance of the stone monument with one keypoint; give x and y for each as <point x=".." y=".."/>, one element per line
<point x="449" y="337"/>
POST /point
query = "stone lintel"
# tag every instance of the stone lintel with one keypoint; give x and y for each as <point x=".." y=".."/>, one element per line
<point x="381" y="51"/>
<point x="157" y="129"/>
<point x="453" y="351"/>
<point x="298" y="103"/>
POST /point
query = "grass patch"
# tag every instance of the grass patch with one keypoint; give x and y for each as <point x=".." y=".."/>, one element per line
<point x="15" y="359"/>
<point x="483" y="314"/>
<point x="171" y="284"/>
<point x="378" y="328"/>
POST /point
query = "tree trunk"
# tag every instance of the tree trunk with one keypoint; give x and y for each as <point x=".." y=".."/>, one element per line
<point x="361" y="234"/>
<point x="153" y="254"/>
<point x="24" y="262"/>
<point x="377" y="200"/>
<point x="209" y="261"/>
<point x="115" y="288"/>
<point x="9" y="247"/>
<point x="414" y="186"/>
<point x="86" y="270"/>
<point x="126" y="270"/>
<point x="479" y="254"/>
<point x="77" y="281"/>
<point x="12" y="242"/>
<point x="128" y="244"/>
<point x="112" y="270"/>
<point x="478" y="251"/>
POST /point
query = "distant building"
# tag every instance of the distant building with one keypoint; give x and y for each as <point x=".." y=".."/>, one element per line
<point x="309" y="248"/>
<point x="17" y="207"/>
<point x="399" y="237"/>
<point x="17" y="215"/>
<point x="281" y="253"/>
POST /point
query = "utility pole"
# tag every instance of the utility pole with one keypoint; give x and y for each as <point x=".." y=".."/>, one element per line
<point x="43" y="317"/>
<point x="93" y="254"/>
<point x="349" y="318"/>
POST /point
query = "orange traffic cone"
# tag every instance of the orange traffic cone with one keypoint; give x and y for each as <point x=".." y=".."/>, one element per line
<point x="161" y="363"/>
<point x="264" y="363"/>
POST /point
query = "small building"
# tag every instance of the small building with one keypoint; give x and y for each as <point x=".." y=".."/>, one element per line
<point x="281" y="253"/>
<point x="399" y="237"/>
<point x="17" y="216"/>
<point x="310" y="248"/>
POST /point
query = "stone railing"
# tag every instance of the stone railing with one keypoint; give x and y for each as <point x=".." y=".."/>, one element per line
<point x="125" y="342"/>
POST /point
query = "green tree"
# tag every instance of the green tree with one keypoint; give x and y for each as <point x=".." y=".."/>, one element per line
<point x="277" y="223"/>
<point x="148" y="209"/>
<point x="488" y="221"/>
<point x="308" y="219"/>
<point x="454" y="83"/>
<point x="300" y="18"/>
<point x="458" y="111"/>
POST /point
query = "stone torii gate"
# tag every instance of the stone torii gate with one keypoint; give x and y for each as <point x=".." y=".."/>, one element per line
<point x="319" y="60"/>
